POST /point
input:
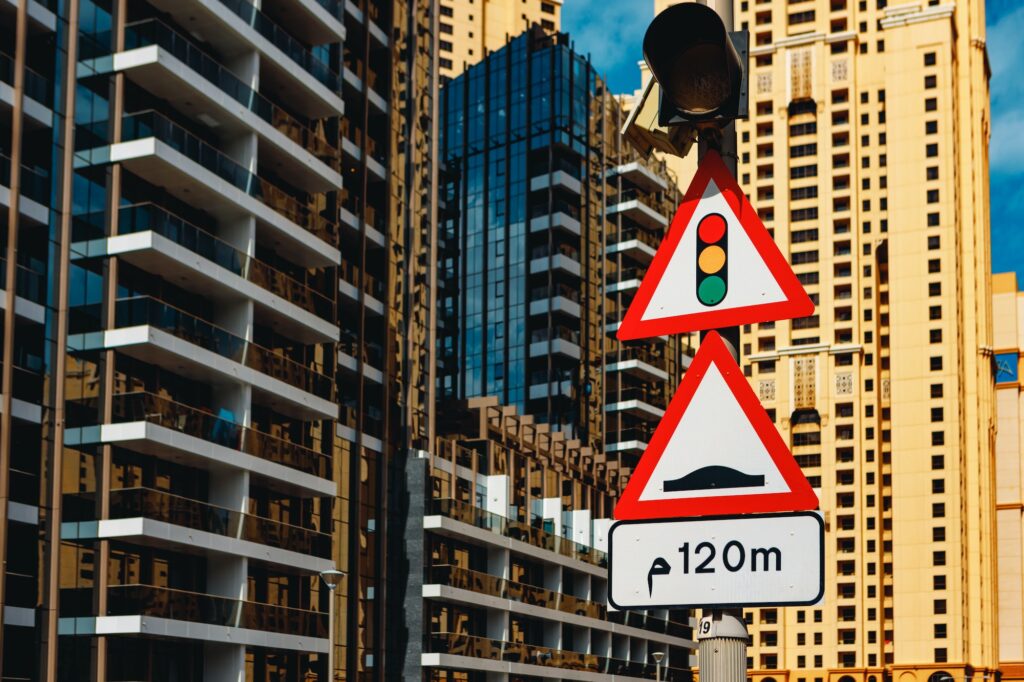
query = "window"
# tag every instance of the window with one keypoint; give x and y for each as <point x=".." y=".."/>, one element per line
<point x="935" y="288"/>
<point x="938" y="438"/>
<point x="935" y="312"/>
<point x="938" y="510"/>
<point x="932" y="173"/>
<point x="798" y="193"/>
<point x="935" y="336"/>
<point x="931" y="104"/>
<point x="939" y="534"/>
<point x="798" y="236"/>
<point x="935" y="363"/>
<point x="939" y="582"/>
<point x="938" y="484"/>
<point x="938" y="557"/>
<point x="940" y="631"/>
<point x="934" y="265"/>
<point x="547" y="7"/>
<point x="933" y="220"/>
<point x="446" y="11"/>
<point x="799" y="150"/>
<point x="804" y="214"/>
<point x="933" y="242"/>
<point x="929" y="82"/>
<point x="797" y="172"/>
<point x="801" y="257"/>
<point x="931" y="127"/>
<point x="929" y="59"/>
<point x="446" y="28"/>
<point x="801" y="17"/>
<point x="936" y="390"/>
<point x="932" y="150"/>
<point x="933" y="196"/>
<point x="445" y="45"/>
<point x="444" y="63"/>
<point x="803" y="128"/>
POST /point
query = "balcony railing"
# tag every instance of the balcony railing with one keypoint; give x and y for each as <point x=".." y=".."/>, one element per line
<point x="295" y="50"/>
<point x="361" y="279"/>
<point x="457" y="644"/>
<point x="484" y="583"/>
<point x="155" y="409"/>
<point x="29" y="284"/>
<point x="142" y="217"/>
<point x="195" y="607"/>
<point x="517" y="530"/>
<point x="139" y="310"/>
<point x="182" y="511"/>
<point x="642" y="353"/>
<point x="34" y="185"/>
<point x="153" y="124"/>
<point x="37" y="86"/>
<point x="631" y="233"/>
<point x="652" y="397"/>
<point x="155" y="32"/>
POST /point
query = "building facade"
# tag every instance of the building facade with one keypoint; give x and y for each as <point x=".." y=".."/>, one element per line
<point x="549" y="221"/>
<point x="468" y="30"/>
<point x="218" y="331"/>
<point x="866" y="154"/>
<point x="508" y="525"/>
<point x="1008" y="323"/>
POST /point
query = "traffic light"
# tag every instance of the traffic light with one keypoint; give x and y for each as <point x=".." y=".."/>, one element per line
<point x="700" y="67"/>
<point x="712" y="257"/>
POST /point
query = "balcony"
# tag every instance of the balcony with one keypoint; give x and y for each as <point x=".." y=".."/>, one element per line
<point x="625" y="280"/>
<point x="30" y="292"/>
<point x="156" y="240"/>
<point x="360" y="286"/>
<point x="631" y="441"/>
<point x="35" y="192"/>
<point x="358" y="75"/>
<point x="556" y="298"/>
<point x="517" y="530"/>
<point x="637" y="402"/>
<point x="638" y="362"/>
<point x="162" y="611"/>
<point x="220" y="530"/>
<point x="41" y="14"/>
<point x="157" y="425"/>
<point x="558" y="216"/>
<point x="556" y="179"/>
<point x="639" y="245"/>
<point x="168" y="156"/>
<point x="170" y="66"/>
<point x="637" y="207"/>
<point x="241" y="27"/>
<point x="564" y="342"/>
<point x="639" y="175"/>
<point x="38" y="103"/>
<point x="462" y="651"/>
<point x="484" y="583"/>
<point x="563" y="260"/>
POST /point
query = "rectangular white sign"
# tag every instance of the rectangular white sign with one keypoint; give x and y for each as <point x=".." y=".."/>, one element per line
<point x="763" y="560"/>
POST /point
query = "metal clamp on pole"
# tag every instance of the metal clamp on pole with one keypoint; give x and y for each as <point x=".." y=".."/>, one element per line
<point x="722" y="646"/>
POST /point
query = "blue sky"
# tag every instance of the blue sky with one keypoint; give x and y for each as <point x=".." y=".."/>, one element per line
<point x="612" y="32"/>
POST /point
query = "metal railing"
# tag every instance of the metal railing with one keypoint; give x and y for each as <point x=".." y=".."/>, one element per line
<point x="37" y="86"/>
<point x="29" y="284"/>
<point x="155" y="32"/>
<point x="151" y="123"/>
<point x="34" y="185"/>
<point x="140" y="310"/>
<point x="204" y="424"/>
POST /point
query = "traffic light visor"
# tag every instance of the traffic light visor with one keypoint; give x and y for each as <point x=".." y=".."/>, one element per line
<point x="693" y="59"/>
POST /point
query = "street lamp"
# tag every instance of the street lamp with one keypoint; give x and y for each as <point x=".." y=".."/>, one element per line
<point x="658" y="657"/>
<point x="332" y="578"/>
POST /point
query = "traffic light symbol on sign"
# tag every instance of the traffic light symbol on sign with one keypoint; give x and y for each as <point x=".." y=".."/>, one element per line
<point x="712" y="257"/>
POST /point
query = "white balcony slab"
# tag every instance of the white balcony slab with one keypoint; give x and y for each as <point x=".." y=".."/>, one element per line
<point x="37" y="115"/>
<point x="175" y="446"/>
<point x="637" y="407"/>
<point x="165" y="167"/>
<point x="30" y="310"/>
<point x="623" y="285"/>
<point x="153" y="252"/>
<point x="553" y="388"/>
<point x="23" y="513"/>
<point x="556" y="179"/>
<point x="161" y="73"/>
<point x="637" y="446"/>
<point x="151" y="344"/>
<point x="25" y="411"/>
<point x="373" y="235"/>
<point x="351" y="292"/>
<point x="19" y="616"/>
<point x="182" y="629"/>
<point x="369" y="371"/>
<point x="633" y="248"/>
<point x="559" y="261"/>
<point x="141" y="530"/>
<point x="555" y="304"/>
<point x="557" y="220"/>
<point x="35" y="212"/>
<point x="639" y="212"/>
<point x="556" y="347"/>
<point x="41" y="20"/>
<point x="638" y="368"/>
<point x="641" y="176"/>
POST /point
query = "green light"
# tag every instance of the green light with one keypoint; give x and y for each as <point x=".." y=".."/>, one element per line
<point x="712" y="290"/>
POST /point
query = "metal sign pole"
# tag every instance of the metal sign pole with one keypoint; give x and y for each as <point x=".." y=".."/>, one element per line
<point x="721" y="634"/>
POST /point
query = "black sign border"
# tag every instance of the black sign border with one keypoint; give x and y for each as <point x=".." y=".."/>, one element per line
<point x="719" y="605"/>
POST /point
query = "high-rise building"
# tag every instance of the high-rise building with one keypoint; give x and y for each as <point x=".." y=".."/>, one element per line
<point x="469" y="30"/>
<point x="549" y="221"/>
<point x="1008" y="348"/>
<point x="866" y="154"/>
<point x="218" y="326"/>
<point x="506" y="547"/>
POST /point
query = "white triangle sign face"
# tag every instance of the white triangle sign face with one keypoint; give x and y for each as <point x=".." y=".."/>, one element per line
<point x="715" y="451"/>
<point x="716" y="267"/>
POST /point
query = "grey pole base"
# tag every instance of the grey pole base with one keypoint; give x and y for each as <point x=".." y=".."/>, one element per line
<point x="722" y="646"/>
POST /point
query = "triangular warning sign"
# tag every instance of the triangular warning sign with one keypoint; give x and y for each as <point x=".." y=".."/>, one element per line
<point x="715" y="451"/>
<point x="716" y="267"/>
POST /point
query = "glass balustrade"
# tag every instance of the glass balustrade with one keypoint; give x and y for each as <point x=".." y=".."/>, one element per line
<point x="140" y="310"/>
<point x="29" y="284"/>
<point x="36" y="85"/>
<point x="295" y="50"/>
<point x="34" y="184"/>
<point x="195" y="607"/>
<point x="155" y="32"/>
<point x="182" y="511"/>
<point x="147" y="216"/>
<point x="217" y="428"/>
<point x="153" y="124"/>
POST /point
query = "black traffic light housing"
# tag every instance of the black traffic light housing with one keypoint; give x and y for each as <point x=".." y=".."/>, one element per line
<point x="701" y="67"/>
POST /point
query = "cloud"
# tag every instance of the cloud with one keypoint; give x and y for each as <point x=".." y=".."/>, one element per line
<point x="612" y="32"/>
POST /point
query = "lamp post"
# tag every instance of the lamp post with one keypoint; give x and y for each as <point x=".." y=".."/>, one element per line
<point x="658" y="657"/>
<point x="332" y="578"/>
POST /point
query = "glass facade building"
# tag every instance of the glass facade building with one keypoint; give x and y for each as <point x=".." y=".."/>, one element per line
<point x="547" y="217"/>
